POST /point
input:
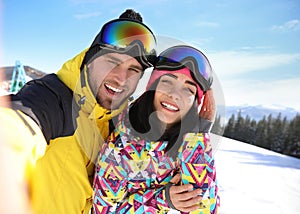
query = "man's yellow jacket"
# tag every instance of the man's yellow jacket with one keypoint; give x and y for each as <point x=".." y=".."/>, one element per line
<point x="57" y="163"/>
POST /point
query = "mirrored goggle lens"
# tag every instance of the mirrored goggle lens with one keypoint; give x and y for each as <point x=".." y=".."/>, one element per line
<point x="122" y="33"/>
<point x="187" y="55"/>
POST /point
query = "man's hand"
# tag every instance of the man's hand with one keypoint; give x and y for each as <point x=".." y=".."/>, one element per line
<point x="183" y="197"/>
<point x="208" y="108"/>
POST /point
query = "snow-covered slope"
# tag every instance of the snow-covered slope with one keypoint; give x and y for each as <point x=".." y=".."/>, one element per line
<point x="253" y="180"/>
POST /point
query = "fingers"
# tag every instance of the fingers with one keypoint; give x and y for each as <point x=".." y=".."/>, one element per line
<point x="208" y="106"/>
<point x="175" y="179"/>
<point x="209" y="101"/>
<point x="190" y="209"/>
<point x="190" y="205"/>
<point x="184" y="199"/>
<point x="186" y="191"/>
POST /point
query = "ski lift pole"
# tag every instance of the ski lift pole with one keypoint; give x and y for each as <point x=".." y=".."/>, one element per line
<point x="18" y="77"/>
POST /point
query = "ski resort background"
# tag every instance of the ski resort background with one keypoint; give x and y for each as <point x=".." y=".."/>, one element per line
<point x="253" y="179"/>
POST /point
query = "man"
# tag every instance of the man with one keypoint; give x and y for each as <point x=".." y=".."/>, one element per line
<point x="74" y="109"/>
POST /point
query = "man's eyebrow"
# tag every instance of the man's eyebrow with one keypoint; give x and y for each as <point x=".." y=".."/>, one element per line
<point x="137" y="67"/>
<point x="120" y="61"/>
<point x="113" y="58"/>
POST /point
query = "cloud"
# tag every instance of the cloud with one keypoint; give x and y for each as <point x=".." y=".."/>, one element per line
<point x="207" y="24"/>
<point x="87" y="15"/>
<point x="231" y="63"/>
<point x="255" y="92"/>
<point x="291" y="25"/>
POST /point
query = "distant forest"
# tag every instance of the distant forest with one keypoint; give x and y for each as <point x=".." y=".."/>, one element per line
<point x="274" y="133"/>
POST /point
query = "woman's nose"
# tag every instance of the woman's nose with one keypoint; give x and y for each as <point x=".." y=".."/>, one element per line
<point x="174" y="92"/>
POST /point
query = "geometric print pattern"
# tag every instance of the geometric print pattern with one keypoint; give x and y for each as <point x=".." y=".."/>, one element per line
<point x="131" y="173"/>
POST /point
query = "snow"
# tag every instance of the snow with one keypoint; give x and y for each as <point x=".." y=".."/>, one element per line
<point x="274" y="107"/>
<point x="256" y="180"/>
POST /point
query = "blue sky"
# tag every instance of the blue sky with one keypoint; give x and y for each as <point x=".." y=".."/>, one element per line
<point x="253" y="46"/>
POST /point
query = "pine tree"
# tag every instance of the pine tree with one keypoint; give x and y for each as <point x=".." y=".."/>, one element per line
<point x="229" y="128"/>
<point x="217" y="128"/>
<point x="277" y="134"/>
<point x="260" y="132"/>
<point x="293" y="139"/>
<point x="239" y="128"/>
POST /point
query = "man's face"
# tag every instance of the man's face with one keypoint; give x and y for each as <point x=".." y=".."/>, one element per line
<point x="113" y="77"/>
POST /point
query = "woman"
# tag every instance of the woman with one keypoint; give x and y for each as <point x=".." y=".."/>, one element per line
<point x="158" y="137"/>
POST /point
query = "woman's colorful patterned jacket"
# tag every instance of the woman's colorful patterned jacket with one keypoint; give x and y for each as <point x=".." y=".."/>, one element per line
<point x="131" y="173"/>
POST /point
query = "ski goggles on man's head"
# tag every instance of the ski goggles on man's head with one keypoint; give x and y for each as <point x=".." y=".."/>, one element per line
<point x="178" y="56"/>
<point x="123" y="34"/>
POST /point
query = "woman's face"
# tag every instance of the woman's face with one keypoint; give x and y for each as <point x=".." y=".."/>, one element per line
<point x="174" y="97"/>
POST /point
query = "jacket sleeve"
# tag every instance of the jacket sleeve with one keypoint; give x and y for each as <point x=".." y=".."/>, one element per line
<point x="197" y="167"/>
<point x="110" y="181"/>
<point x="120" y="188"/>
<point x="49" y="103"/>
<point x="21" y="145"/>
<point x="48" y="100"/>
<point x="154" y="200"/>
<point x="205" y="125"/>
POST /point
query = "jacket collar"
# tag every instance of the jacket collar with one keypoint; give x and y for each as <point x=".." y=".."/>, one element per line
<point x="76" y="80"/>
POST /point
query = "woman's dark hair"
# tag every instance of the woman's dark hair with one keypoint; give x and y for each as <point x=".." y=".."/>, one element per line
<point x="146" y="125"/>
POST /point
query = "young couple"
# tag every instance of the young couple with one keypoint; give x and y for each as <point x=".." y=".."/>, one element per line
<point x="158" y="154"/>
<point x="158" y="142"/>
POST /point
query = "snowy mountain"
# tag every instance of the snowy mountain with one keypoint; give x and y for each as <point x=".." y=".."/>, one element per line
<point x="259" y="111"/>
<point x="31" y="72"/>
<point x="7" y="72"/>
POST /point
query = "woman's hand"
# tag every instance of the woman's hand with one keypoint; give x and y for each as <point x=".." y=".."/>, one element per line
<point x="183" y="197"/>
<point x="208" y="109"/>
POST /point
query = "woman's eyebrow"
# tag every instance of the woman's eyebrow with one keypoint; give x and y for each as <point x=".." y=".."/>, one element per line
<point x="187" y="81"/>
<point x="191" y="83"/>
<point x="172" y="75"/>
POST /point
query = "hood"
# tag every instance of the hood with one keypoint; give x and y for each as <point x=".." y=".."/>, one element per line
<point x="89" y="114"/>
<point x="70" y="71"/>
<point x="70" y="74"/>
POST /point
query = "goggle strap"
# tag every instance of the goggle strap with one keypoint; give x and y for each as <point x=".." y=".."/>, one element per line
<point x="173" y="66"/>
<point x="98" y="50"/>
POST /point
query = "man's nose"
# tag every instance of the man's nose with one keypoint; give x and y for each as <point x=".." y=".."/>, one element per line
<point x="121" y="73"/>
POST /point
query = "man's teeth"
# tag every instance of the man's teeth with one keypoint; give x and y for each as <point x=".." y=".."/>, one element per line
<point x="168" y="106"/>
<point x="116" y="90"/>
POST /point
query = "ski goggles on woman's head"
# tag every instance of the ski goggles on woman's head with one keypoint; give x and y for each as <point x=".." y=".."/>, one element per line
<point x="122" y="34"/>
<point x="178" y="56"/>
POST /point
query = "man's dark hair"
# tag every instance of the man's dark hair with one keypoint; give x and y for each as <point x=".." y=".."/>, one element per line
<point x="131" y="14"/>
